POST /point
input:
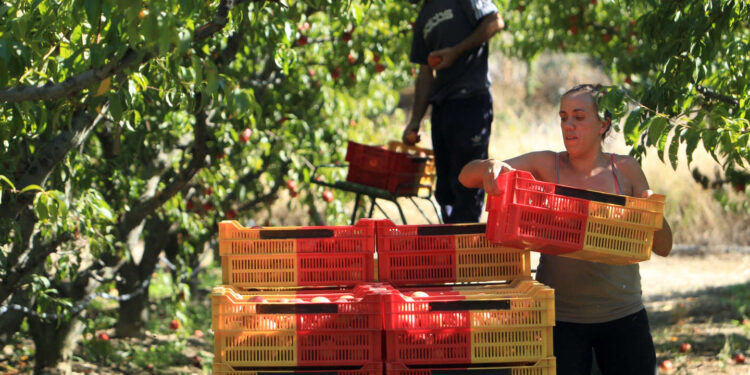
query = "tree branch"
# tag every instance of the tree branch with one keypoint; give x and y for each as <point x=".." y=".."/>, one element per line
<point x="76" y="83"/>
<point x="52" y="154"/>
<point x="710" y="94"/>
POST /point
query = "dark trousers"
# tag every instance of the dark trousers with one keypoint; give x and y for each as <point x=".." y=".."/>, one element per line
<point x="622" y="346"/>
<point x="460" y="134"/>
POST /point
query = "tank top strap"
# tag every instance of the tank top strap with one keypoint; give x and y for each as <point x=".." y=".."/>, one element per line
<point x="617" y="181"/>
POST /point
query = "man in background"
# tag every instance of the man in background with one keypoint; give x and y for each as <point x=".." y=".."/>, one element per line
<point x="450" y="45"/>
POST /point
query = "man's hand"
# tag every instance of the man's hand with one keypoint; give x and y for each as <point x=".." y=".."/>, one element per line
<point x="443" y="57"/>
<point x="411" y="134"/>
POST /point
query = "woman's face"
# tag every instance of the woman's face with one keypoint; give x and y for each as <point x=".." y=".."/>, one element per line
<point x="580" y="124"/>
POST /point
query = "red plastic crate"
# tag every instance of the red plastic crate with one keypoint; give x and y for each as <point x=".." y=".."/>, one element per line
<point x="444" y="253"/>
<point x="528" y="214"/>
<point x="297" y="256"/>
<point x="399" y="169"/>
<point x="469" y="325"/>
<point x="545" y="366"/>
<point x="375" y="368"/>
<point x="259" y="329"/>
<point x="572" y="222"/>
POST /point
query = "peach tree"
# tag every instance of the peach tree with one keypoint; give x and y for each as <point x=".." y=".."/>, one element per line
<point x="130" y="128"/>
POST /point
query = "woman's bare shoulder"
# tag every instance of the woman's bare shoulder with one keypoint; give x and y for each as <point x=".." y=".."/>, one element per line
<point x="627" y="164"/>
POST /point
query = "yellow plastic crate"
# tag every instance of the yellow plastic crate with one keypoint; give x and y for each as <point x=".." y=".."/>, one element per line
<point x="375" y="368"/>
<point x="444" y="253"/>
<point x="621" y="234"/>
<point x="297" y="256"/>
<point x="470" y="324"/>
<point x="294" y="329"/>
<point x="545" y="366"/>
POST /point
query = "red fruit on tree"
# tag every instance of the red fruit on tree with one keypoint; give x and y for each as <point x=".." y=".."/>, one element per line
<point x="593" y="2"/>
<point x="630" y="48"/>
<point x="208" y="191"/>
<point x="231" y="214"/>
<point x="375" y="57"/>
<point x="573" y="19"/>
<point x="574" y="29"/>
<point x="351" y="59"/>
<point x="739" y="187"/>
<point x="666" y="365"/>
<point x="302" y="40"/>
<point x="520" y="8"/>
<point x="245" y="136"/>
<point x="311" y="72"/>
<point x="197" y="361"/>
<point x="434" y="60"/>
<point x="739" y="358"/>
<point x="198" y="333"/>
<point x="347" y="36"/>
<point x="413" y="72"/>
<point x="208" y="206"/>
<point x="335" y="73"/>
<point x="282" y="120"/>
<point x="174" y="324"/>
<point x="304" y="27"/>
<point x="103" y="336"/>
<point x="182" y="295"/>
<point x="221" y="155"/>
<point x="189" y="205"/>
<point x="379" y="68"/>
<point x="685" y="347"/>
<point x="327" y="196"/>
<point x="628" y="80"/>
<point x="150" y="366"/>
<point x="291" y="185"/>
<point x="606" y="38"/>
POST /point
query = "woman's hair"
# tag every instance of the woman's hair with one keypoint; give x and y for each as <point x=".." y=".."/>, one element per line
<point x="594" y="91"/>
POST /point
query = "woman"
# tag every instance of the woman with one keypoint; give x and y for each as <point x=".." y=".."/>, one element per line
<point x="598" y="306"/>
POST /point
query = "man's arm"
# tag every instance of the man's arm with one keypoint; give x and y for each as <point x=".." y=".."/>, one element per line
<point x="421" y="101"/>
<point x="491" y="24"/>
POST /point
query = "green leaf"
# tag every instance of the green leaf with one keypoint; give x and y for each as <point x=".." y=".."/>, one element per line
<point x="674" y="147"/>
<point x="8" y="182"/>
<point x="631" y="126"/>
<point x="31" y="187"/>
<point x="655" y="128"/>
<point x="93" y="11"/>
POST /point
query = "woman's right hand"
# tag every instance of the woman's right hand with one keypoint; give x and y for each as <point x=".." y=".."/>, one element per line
<point x="493" y="169"/>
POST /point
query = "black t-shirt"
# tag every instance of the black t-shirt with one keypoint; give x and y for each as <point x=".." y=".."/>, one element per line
<point x="445" y="23"/>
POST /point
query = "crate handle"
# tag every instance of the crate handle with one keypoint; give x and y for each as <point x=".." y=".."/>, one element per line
<point x="286" y="371"/>
<point x="445" y="230"/>
<point x="464" y="371"/>
<point x="590" y="195"/>
<point x="470" y="305"/>
<point x="301" y="308"/>
<point x="277" y="234"/>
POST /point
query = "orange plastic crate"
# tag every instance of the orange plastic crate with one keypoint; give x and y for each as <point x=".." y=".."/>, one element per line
<point x="399" y="168"/>
<point x="375" y="368"/>
<point x="572" y="222"/>
<point x="444" y="253"/>
<point x="545" y="366"/>
<point x="259" y="329"/>
<point x="470" y="325"/>
<point x="297" y="256"/>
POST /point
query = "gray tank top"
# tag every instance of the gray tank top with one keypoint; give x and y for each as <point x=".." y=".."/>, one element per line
<point x="589" y="292"/>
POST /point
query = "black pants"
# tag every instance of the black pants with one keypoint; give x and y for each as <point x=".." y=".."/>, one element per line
<point x="460" y="134"/>
<point x="622" y="346"/>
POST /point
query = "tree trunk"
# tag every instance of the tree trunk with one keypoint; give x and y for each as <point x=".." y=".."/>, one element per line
<point x="10" y="322"/>
<point x="133" y="312"/>
<point x="55" y="341"/>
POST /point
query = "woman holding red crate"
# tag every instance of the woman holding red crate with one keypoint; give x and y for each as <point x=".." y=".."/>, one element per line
<point x="598" y="307"/>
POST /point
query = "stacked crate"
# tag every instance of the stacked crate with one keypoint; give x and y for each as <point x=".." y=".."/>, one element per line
<point x="572" y="222"/>
<point x="306" y="300"/>
<point x="297" y="299"/>
<point x="432" y="327"/>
